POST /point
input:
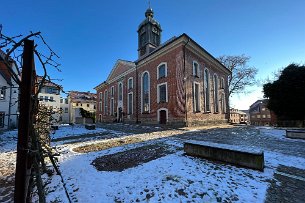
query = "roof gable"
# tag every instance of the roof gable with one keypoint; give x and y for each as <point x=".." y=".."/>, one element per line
<point x="120" y="67"/>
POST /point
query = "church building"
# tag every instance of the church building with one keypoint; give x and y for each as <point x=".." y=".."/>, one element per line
<point x="176" y="83"/>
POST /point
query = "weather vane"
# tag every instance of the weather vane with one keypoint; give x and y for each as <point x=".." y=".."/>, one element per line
<point x="148" y="3"/>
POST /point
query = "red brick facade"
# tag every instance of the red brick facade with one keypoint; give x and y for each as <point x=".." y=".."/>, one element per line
<point x="185" y="92"/>
<point x="260" y="114"/>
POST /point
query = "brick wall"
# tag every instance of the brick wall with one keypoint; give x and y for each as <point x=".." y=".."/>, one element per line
<point x="177" y="89"/>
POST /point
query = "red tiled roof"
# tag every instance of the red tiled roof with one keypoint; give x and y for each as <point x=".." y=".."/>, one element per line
<point x="48" y="83"/>
<point x="88" y="97"/>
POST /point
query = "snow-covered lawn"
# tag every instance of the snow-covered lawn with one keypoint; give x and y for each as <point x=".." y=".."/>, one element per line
<point x="174" y="177"/>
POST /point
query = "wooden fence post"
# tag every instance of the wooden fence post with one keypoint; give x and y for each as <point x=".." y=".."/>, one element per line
<point x="23" y="167"/>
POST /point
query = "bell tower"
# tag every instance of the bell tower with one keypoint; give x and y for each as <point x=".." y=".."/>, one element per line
<point x="149" y="34"/>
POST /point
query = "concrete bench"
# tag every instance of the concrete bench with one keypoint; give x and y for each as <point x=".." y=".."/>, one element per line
<point x="249" y="158"/>
<point x="296" y="134"/>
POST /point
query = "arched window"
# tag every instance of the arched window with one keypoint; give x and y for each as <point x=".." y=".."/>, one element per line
<point x="162" y="70"/>
<point x="130" y="83"/>
<point x="105" y="102"/>
<point x="207" y="90"/>
<point x="120" y="91"/>
<point x="196" y="97"/>
<point x="216" y="108"/>
<point x="196" y="72"/>
<point x="145" y="92"/>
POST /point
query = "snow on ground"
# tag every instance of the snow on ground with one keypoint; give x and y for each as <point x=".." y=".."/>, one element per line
<point x="276" y="133"/>
<point x="171" y="178"/>
<point x="73" y="130"/>
<point x="8" y="141"/>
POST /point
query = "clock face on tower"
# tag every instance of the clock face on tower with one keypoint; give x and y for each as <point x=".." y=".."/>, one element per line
<point x="155" y="30"/>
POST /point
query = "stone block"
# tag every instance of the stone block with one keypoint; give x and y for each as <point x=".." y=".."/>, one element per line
<point x="248" y="158"/>
<point x="295" y="134"/>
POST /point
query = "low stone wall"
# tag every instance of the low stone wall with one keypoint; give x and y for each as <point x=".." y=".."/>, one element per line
<point x="295" y="134"/>
<point x="253" y="159"/>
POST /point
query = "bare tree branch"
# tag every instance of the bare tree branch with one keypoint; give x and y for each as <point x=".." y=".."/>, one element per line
<point x="242" y="76"/>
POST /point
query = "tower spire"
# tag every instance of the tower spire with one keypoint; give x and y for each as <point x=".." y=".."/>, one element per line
<point x="149" y="33"/>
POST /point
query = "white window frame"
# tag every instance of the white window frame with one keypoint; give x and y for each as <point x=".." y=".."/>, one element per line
<point x="206" y="74"/>
<point x="101" y="96"/>
<point x="100" y="106"/>
<point x="142" y="92"/>
<point x="131" y="78"/>
<point x="163" y="63"/>
<point x="112" y="92"/>
<point x="130" y="113"/>
<point x="120" y="83"/>
<point x="199" y="106"/>
<point x="198" y="69"/>
<point x="158" y="92"/>
<point x="105" y="102"/>
<point x="216" y="94"/>
<point x="112" y="106"/>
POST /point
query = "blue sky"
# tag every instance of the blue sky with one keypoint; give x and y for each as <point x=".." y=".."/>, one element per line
<point x="91" y="35"/>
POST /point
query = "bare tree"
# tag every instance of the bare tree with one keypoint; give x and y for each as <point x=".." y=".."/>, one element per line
<point x="242" y="76"/>
<point x="35" y="147"/>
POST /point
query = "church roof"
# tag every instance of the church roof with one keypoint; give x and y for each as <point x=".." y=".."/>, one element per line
<point x="173" y="39"/>
<point x="120" y="67"/>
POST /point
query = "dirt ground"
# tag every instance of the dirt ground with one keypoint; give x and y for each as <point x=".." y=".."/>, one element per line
<point x="142" y="133"/>
<point x="7" y="177"/>
<point x="131" y="158"/>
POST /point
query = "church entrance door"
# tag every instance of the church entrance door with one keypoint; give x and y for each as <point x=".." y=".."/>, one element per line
<point x="162" y="117"/>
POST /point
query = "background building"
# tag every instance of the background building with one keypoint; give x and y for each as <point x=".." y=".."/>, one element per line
<point x="238" y="117"/>
<point x="9" y="94"/>
<point x="81" y="100"/>
<point x="246" y="116"/>
<point x="177" y="82"/>
<point x="49" y="95"/>
<point x="65" y="109"/>
<point x="260" y="114"/>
